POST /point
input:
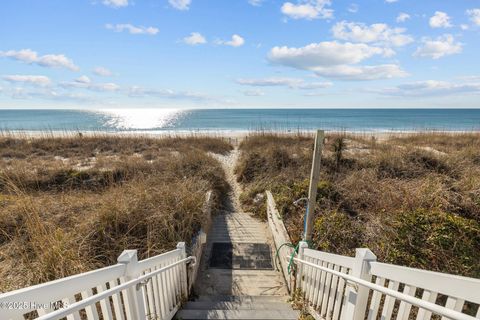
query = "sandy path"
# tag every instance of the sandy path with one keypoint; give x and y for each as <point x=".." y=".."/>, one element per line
<point x="228" y="163"/>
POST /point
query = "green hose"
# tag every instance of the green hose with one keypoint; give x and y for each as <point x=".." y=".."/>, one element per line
<point x="295" y="251"/>
<point x="288" y="244"/>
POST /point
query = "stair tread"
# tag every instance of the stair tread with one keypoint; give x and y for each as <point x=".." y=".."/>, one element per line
<point x="235" y="305"/>
<point x="266" y="298"/>
<point x="238" y="314"/>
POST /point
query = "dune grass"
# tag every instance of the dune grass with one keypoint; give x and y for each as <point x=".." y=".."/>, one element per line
<point x="72" y="204"/>
<point x="414" y="200"/>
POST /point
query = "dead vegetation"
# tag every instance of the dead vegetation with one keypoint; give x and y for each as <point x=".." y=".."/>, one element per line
<point x="413" y="200"/>
<point x="69" y="205"/>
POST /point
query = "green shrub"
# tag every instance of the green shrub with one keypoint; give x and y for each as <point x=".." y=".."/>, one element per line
<point x="337" y="232"/>
<point x="436" y="240"/>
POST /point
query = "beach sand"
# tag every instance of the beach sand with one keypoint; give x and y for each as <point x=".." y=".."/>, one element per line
<point x="234" y="135"/>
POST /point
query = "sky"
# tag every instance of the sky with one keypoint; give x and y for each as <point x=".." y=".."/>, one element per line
<point x="239" y="54"/>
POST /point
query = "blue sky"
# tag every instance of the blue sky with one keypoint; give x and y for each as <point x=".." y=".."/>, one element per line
<point x="239" y="53"/>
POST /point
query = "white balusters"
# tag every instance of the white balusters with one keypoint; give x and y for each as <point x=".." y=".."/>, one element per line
<point x="430" y="297"/>
<point x="389" y="301"/>
<point x="376" y="300"/>
<point x="339" y="288"/>
<point x="117" y="302"/>
<point x="91" y="311"/>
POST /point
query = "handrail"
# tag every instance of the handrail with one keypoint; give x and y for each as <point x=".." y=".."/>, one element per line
<point x="449" y="313"/>
<point x="44" y="293"/>
<point x="107" y="293"/>
<point x="89" y="279"/>
<point x="153" y="261"/>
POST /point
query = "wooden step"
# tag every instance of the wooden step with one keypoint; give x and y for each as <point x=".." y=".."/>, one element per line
<point x="244" y="299"/>
<point x="238" y="314"/>
<point x="235" y="305"/>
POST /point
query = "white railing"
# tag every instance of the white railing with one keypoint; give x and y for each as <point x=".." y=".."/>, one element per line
<point x="336" y="287"/>
<point x="153" y="288"/>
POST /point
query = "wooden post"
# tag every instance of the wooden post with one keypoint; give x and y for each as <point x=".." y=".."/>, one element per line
<point x="312" y="192"/>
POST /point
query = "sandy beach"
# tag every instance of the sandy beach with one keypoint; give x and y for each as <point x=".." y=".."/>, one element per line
<point x="232" y="134"/>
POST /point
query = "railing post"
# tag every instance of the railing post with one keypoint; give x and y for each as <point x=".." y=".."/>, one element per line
<point x="183" y="268"/>
<point x="357" y="296"/>
<point x="301" y="248"/>
<point x="135" y="304"/>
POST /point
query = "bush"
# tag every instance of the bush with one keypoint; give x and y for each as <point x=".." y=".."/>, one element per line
<point x="337" y="232"/>
<point x="435" y="240"/>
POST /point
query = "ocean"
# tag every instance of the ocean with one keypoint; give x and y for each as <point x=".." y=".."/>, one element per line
<point x="208" y="120"/>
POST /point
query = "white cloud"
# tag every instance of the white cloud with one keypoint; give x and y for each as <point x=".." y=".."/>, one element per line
<point x="271" y="82"/>
<point x="431" y="88"/>
<point x="236" y="41"/>
<point x="49" y="60"/>
<point x="24" y="55"/>
<point x="464" y="26"/>
<point x="56" y="61"/>
<point x="255" y="3"/>
<point x="41" y="81"/>
<point x="474" y="15"/>
<point x="102" y="71"/>
<point x="109" y="86"/>
<point x="391" y="1"/>
<point x="48" y="94"/>
<point x="132" y="29"/>
<point x="308" y="9"/>
<point x="442" y="46"/>
<point x="440" y="20"/>
<point x="115" y="3"/>
<point x="194" y="38"/>
<point x="375" y="33"/>
<point x="470" y="78"/>
<point x="336" y="60"/>
<point x="180" y="4"/>
<point x="67" y="96"/>
<point x="136" y="91"/>
<point x="292" y="83"/>
<point x="323" y="54"/>
<point x="253" y="93"/>
<point x="83" y="79"/>
<point x="402" y="17"/>
<point x="314" y="85"/>
<point x="314" y="94"/>
<point x="84" y="82"/>
<point x="353" y="8"/>
<point x="361" y="73"/>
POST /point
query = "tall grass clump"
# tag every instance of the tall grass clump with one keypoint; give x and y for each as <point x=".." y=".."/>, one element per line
<point x="72" y="204"/>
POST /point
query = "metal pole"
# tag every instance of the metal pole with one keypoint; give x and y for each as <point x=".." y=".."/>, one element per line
<point x="312" y="192"/>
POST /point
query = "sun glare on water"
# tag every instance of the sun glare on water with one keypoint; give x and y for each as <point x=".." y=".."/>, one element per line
<point x="138" y="119"/>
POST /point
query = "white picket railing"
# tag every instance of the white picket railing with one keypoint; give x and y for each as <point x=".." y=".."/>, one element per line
<point x="336" y="287"/>
<point x="153" y="288"/>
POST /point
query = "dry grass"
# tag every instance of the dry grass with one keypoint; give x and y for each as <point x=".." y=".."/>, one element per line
<point x="413" y="200"/>
<point x="71" y="204"/>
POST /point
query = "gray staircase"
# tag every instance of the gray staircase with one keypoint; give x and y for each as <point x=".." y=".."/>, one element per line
<point x="238" y="307"/>
<point x="237" y="292"/>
